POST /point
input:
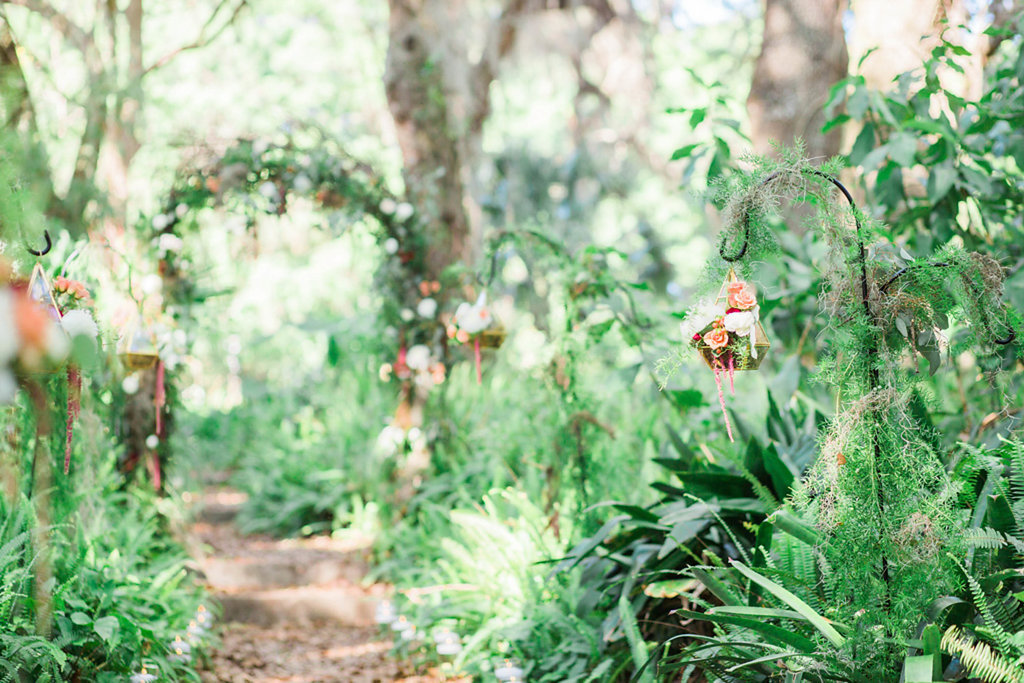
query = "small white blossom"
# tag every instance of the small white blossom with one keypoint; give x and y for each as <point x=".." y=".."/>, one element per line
<point x="390" y="440"/>
<point x="741" y="323"/>
<point x="427" y="308"/>
<point x="130" y="384"/>
<point x="302" y="184"/>
<point x="700" y="317"/>
<point x="418" y="357"/>
<point x="474" y="318"/>
<point x="169" y="242"/>
<point x="161" y="221"/>
<point x="388" y="205"/>
<point x="403" y="211"/>
<point x="152" y="441"/>
<point x="391" y="245"/>
<point x="151" y="283"/>
<point x="269" y="190"/>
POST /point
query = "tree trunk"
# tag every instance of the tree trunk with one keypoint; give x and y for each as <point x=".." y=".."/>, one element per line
<point x="902" y="36"/>
<point x="803" y="54"/>
<point x="422" y="64"/>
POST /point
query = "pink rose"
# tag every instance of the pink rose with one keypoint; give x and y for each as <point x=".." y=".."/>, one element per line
<point x="741" y="295"/>
<point x="717" y="338"/>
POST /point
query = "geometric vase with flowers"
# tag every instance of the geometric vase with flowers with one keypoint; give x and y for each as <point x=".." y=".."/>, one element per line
<point x="73" y="303"/>
<point x="728" y="334"/>
<point x="474" y="322"/>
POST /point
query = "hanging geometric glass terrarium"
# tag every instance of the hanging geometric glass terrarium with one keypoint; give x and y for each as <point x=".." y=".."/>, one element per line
<point x="494" y="336"/>
<point x="40" y="291"/>
<point x="138" y="349"/>
<point x="734" y="340"/>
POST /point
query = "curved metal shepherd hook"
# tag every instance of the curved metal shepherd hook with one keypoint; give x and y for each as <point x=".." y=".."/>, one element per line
<point x="46" y="249"/>
<point x="1002" y="341"/>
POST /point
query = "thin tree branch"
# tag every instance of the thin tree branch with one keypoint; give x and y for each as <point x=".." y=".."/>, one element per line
<point x="74" y="33"/>
<point x="205" y="35"/>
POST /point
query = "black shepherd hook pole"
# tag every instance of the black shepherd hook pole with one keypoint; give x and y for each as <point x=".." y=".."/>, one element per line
<point x="1001" y="341"/>
<point x="873" y="375"/>
<point x="860" y="239"/>
<point x="46" y="248"/>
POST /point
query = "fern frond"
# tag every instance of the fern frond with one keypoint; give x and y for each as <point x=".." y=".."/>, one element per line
<point x="979" y="659"/>
<point x="991" y="539"/>
<point x="1002" y="637"/>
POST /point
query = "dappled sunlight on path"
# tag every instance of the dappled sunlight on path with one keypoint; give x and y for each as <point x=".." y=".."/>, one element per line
<point x="294" y="610"/>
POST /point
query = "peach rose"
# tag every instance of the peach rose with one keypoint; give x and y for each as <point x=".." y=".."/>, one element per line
<point x="741" y="295"/>
<point x="717" y="338"/>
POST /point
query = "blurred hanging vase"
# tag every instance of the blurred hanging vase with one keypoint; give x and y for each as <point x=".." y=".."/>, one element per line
<point x="55" y="341"/>
<point x="475" y="324"/>
<point x="138" y="350"/>
<point x="41" y="291"/>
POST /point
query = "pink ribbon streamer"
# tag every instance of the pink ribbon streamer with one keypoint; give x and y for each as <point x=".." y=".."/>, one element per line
<point x="732" y="372"/>
<point x="74" y="408"/>
<point x="721" y="398"/>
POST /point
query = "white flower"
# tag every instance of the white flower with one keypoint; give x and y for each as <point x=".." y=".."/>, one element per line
<point x="78" y="323"/>
<point x="269" y="190"/>
<point x="702" y="315"/>
<point x="427" y="308"/>
<point x="388" y="205"/>
<point x="169" y="242"/>
<point x="474" y="318"/>
<point x="302" y="184"/>
<point x="418" y="357"/>
<point x="403" y="211"/>
<point x="406" y="314"/>
<point x="181" y="209"/>
<point x="741" y="323"/>
<point x="744" y="324"/>
<point x="152" y="441"/>
<point x="391" y="245"/>
<point x="161" y="221"/>
<point x="390" y="440"/>
<point x="151" y="284"/>
<point x="130" y="384"/>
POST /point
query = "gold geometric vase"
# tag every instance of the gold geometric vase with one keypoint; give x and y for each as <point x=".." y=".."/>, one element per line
<point x="761" y="342"/>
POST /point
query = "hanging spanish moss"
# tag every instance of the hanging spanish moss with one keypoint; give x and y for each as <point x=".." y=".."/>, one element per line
<point x="878" y="493"/>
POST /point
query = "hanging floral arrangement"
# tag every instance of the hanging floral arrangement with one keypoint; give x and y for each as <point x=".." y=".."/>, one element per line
<point x="72" y="301"/>
<point x="728" y="334"/>
<point x="31" y="339"/>
<point x="475" y="323"/>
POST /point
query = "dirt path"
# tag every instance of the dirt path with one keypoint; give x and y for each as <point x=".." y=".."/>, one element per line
<point x="294" y="610"/>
